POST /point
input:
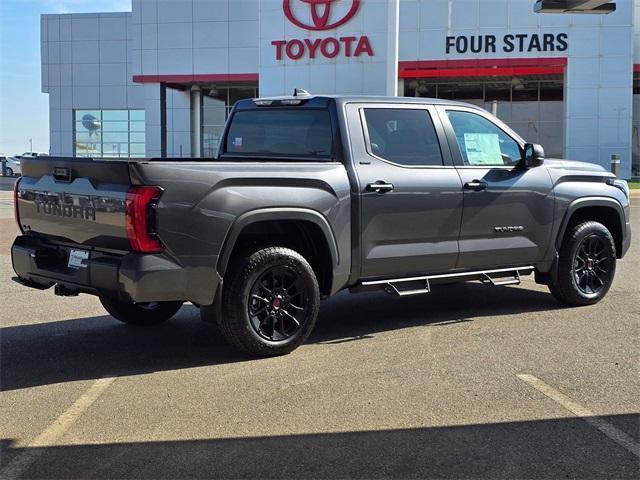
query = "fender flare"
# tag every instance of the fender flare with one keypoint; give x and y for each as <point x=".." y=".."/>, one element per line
<point x="268" y="214"/>
<point x="585" y="203"/>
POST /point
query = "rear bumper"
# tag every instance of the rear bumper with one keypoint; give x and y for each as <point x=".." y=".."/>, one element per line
<point x="130" y="277"/>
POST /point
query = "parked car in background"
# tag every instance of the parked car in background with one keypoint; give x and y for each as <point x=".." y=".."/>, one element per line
<point x="13" y="166"/>
<point x="31" y="155"/>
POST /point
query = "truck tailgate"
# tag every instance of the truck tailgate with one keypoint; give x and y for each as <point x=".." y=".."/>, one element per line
<point x="74" y="200"/>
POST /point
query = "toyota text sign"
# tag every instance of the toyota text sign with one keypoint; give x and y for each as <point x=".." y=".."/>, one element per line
<point x="322" y="19"/>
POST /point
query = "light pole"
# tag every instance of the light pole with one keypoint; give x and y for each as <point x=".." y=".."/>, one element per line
<point x="31" y="145"/>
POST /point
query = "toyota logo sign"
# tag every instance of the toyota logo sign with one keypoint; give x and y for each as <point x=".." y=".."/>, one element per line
<point x="322" y="18"/>
<point x="320" y="14"/>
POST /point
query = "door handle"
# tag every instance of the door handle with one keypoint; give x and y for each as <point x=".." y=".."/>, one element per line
<point x="475" y="185"/>
<point x="380" y="187"/>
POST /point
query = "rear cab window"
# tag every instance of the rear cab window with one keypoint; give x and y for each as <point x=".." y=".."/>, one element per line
<point x="274" y="133"/>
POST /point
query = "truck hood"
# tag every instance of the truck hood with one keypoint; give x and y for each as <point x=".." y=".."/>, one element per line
<point x="575" y="166"/>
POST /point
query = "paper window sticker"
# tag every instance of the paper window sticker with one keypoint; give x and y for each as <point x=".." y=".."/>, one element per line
<point x="483" y="148"/>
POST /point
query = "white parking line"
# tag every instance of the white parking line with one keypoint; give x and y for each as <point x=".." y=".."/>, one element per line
<point x="585" y="414"/>
<point x="54" y="431"/>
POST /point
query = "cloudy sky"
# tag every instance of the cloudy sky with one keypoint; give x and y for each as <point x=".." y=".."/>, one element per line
<point x="23" y="108"/>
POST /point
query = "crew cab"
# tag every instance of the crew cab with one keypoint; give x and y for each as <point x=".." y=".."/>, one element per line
<point x="310" y="195"/>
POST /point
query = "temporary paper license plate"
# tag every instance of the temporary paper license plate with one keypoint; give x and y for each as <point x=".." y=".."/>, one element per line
<point x="78" y="258"/>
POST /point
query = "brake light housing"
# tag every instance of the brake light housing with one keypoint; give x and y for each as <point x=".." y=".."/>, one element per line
<point x="16" y="213"/>
<point x="139" y="207"/>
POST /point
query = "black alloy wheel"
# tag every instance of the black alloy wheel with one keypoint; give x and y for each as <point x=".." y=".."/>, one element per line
<point x="270" y="301"/>
<point x="277" y="303"/>
<point x="592" y="265"/>
<point x="586" y="265"/>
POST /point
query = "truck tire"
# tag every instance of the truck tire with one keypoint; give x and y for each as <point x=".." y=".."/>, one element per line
<point x="270" y="302"/>
<point x="586" y="265"/>
<point x="140" y="314"/>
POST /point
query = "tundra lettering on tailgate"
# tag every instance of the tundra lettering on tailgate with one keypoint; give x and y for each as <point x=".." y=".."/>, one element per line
<point x="69" y="211"/>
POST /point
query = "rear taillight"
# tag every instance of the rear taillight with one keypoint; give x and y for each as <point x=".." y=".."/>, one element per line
<point x="138" y="212"/>
<point x="16" y="214"/>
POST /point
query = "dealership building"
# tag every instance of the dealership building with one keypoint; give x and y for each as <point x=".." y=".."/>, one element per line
<point x="159" y="81"/>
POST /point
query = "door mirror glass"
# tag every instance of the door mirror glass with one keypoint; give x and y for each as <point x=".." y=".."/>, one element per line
<point x="533" y="155"/>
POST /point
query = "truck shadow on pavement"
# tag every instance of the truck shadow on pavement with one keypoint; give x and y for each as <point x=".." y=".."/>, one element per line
<point x="541" y="449"/>
<point x="359" y="316"/>
<point x="91" y="348"/>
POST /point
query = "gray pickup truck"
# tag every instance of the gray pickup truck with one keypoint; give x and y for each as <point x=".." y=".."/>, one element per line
<point x="310" y="195"/>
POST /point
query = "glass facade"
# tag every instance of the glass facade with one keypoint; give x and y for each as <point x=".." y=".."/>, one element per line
<point x="532" y="106"/>
<point x="217" y="102"/>
<point x="109" y="133"/>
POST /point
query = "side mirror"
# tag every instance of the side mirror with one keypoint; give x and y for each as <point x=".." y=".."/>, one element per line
<point x="533" y="155"/>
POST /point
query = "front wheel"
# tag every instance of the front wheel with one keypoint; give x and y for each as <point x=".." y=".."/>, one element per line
<point x="586" y="265"/>
<point x="270" y="303"/>
<point x="140" y="314"/>
<point x="8" y="172"/>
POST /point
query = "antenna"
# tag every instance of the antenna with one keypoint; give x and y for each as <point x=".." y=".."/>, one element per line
<point x="299" y="92"/>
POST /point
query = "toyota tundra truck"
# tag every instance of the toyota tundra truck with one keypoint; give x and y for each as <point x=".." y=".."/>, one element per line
<point x="309" y="195"/>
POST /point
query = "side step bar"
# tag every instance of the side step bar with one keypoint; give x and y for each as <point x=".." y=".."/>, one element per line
<point x="404" y="287"/>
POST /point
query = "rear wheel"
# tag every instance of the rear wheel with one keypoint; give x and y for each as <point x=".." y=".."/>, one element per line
<point x="270" y="303"/>
<point x="141" y="314"/>
<point x="9" y="172"/>
<point x="586" y="265"/>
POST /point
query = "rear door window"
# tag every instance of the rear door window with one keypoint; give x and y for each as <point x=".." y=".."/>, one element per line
<point x="403" y="136"/>
<point x="299" y="133"/>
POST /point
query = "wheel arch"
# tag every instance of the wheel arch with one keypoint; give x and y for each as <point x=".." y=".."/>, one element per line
<point x="314" y="238"/>
<point x="606" y="211"/>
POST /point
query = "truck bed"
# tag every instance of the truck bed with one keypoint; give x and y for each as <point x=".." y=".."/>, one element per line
<point x="68" y="205"/>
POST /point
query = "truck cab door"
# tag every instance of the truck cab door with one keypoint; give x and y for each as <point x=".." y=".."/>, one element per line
<point x="410" y="194"/>
<point x="508" y="209"/>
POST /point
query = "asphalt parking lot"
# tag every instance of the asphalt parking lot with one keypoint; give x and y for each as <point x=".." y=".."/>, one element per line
<point x="468" y="382"/>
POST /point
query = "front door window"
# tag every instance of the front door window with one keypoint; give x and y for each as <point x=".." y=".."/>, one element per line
<point x="482" y="143"/>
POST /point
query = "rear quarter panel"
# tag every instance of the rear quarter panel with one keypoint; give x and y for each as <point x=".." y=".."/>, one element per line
<point x="203" y="200"/>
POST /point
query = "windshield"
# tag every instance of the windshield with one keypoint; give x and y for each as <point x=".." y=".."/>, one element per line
<point x="297" y="133"/>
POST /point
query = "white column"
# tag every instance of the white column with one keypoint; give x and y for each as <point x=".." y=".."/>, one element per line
<point x="393" y="46"/>
<point x="153" y="123"/>
<point x="196" y="121"/>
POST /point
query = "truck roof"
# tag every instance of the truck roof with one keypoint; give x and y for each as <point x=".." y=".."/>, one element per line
<point x="342" y="99"/>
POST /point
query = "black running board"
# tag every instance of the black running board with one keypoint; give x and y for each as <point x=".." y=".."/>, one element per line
<point x="404" y="287"/>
